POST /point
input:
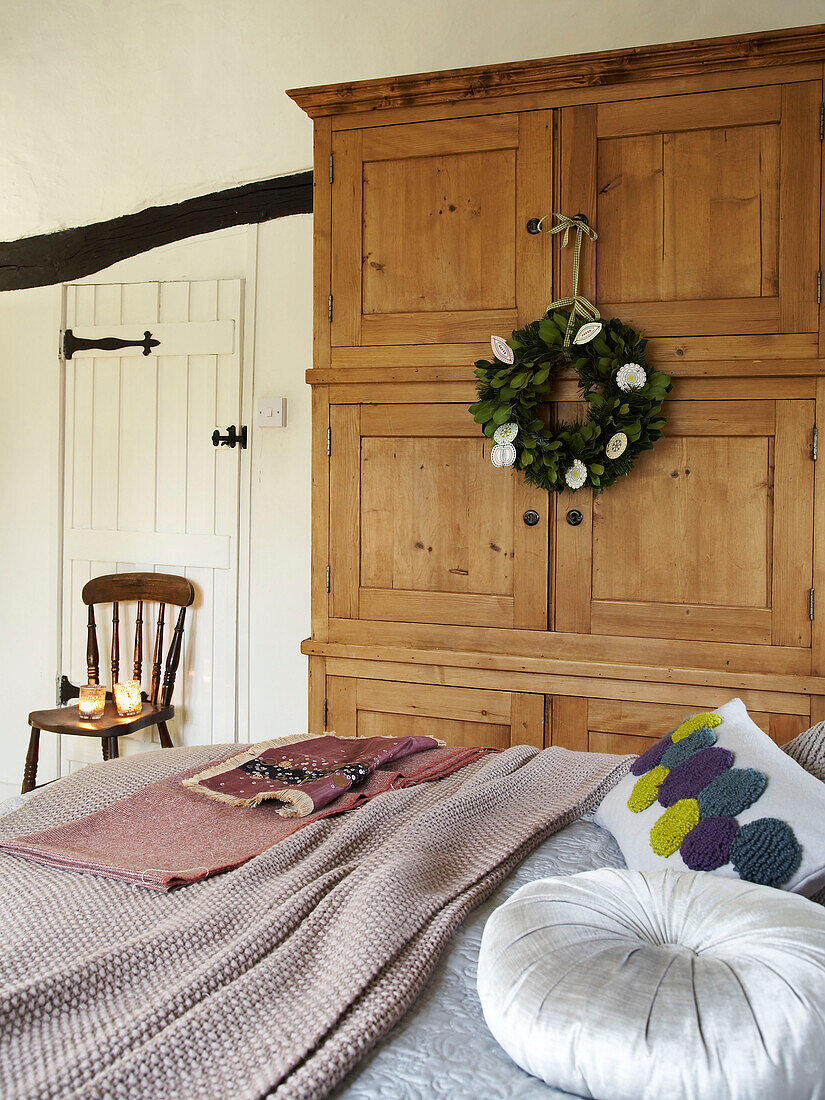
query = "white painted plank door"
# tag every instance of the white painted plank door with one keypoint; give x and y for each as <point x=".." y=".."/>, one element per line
<point x="145" y="489"/>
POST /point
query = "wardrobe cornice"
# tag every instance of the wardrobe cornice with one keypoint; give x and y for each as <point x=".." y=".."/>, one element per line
<point x="765" y="49"/>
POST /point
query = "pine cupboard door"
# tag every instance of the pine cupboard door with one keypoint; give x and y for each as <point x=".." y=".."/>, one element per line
<point x="423" y="528"/>
<point x="632" y="726"/>
<point x="429" y="243"/>
<point x="361" y="707"/>
<point x="708" y="539"/>
<point x="707" y="210"/>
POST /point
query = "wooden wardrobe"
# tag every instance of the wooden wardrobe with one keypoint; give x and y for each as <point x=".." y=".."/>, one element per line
<point x="435" y="607"/>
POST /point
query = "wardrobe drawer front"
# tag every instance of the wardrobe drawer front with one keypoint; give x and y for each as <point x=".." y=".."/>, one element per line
<point x="629" y="726"/>
<point x="363" y="707"/>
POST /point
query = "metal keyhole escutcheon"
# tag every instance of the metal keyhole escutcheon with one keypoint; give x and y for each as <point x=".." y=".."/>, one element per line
<point x="574" y="517"/>
<point x="531" y="518"/>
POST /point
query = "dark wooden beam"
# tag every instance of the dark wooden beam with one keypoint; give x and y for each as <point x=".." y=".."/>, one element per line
<point x="72" y="253"/>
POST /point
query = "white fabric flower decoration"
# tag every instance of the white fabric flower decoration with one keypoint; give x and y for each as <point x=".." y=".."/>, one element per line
<point x="505" y="433"/>
<point x="616" y="445"/>
<point x="576" y="475"/>
<point x="630" y="377"/>
<point x="502" y="350"/>
<point x="503" y="454"/>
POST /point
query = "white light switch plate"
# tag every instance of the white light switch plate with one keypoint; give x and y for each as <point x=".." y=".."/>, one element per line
<point x="271" y="412"/>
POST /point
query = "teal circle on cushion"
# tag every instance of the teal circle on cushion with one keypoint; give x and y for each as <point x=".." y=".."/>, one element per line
<point x="693" y="743"/>
<point x="732" y="792"/>
<point x="766" y="851"/>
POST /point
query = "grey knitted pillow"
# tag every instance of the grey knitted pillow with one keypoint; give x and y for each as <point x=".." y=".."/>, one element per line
<point x="808" y="750"/>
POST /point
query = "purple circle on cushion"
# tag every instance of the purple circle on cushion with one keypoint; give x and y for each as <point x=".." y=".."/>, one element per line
<point x="650" y="758"/>
<point x="694" y="774"/>
<point x="708" y="844"/>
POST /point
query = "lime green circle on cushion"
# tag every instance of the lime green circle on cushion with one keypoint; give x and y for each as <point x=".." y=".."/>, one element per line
<point x="673" y="826"/>
<point x="695" y="722"/>
<point x="646" y="789"/>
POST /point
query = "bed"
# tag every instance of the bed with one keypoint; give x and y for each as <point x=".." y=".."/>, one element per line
<point x="463" y="1058"/>
<point x="231" y="984"/>
<point x="445" y="1021"/>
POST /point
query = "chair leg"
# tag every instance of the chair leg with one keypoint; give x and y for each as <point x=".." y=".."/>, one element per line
<point x="165" y="739"/>
<point x="110" y="749"/>
<point x="30" y="770"/>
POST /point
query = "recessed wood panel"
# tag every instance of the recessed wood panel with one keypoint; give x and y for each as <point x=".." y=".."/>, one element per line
<point x="690" y="216"/>
<point x="690" y="527"/>
<point x="381" y="724"/>
<point x="437" y="235"/>
<point x="459" y="716"/>
<point x="630" y="726"/>
<point x="721" y="212"/>
<point x="650" y="720"/>
<point x="435" y="516"/>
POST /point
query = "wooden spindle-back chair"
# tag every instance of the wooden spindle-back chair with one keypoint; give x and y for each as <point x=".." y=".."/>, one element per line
<point x="157" y="709"/>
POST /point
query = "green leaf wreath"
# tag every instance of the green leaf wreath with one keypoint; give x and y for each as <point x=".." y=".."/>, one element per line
<point x="624" y="396"/>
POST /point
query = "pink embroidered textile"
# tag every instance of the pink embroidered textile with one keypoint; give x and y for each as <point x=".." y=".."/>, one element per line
<point x="304" y="776"/>
<point x="166" y="835"/>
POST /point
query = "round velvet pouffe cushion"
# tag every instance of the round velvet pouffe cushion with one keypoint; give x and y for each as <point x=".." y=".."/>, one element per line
<point x="621" y="985"/>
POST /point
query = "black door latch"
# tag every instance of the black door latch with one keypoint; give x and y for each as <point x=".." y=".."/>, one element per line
<point x="231" y="438"/>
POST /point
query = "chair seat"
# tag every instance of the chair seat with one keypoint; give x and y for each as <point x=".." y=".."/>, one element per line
<point x="67" y="720"/>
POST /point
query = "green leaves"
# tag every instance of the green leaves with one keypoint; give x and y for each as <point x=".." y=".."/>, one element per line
<point x="508" y="393"/>
<point x="551" y="334"/>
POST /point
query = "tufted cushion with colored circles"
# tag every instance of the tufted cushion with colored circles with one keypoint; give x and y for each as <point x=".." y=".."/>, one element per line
<point x="625" y="985"/>
<point x="717" y="794"/>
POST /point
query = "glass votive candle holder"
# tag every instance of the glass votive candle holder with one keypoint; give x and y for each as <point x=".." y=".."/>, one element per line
<point x="127" y="698"/>
<point x="92" y="701"/>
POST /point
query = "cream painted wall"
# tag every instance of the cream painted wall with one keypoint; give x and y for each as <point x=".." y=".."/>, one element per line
<point x="29" y="508"/>
<point x="112" y="105"/>
<point x="280" y="516"/>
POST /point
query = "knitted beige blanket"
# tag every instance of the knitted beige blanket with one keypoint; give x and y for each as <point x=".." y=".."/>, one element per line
<point x="275" y="978"/>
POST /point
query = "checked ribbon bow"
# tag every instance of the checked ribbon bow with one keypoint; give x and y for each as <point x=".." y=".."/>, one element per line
<point x="580" y="307"/>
